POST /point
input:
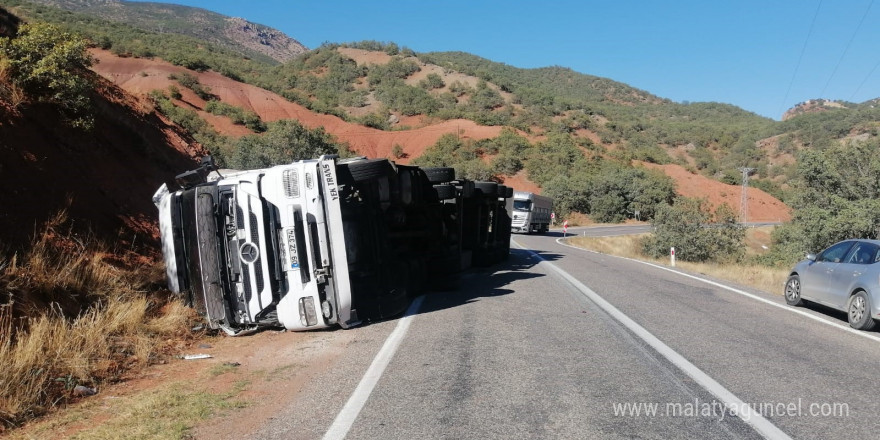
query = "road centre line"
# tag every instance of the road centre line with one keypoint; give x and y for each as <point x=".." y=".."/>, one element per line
<point x="785" y="307"/>
<point x="756" y="420"/>
<point x="347" y="415"/>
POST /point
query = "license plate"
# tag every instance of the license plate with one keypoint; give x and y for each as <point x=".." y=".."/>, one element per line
<point x="291" y="249"/>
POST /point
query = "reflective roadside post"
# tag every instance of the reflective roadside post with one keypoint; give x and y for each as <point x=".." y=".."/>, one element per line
<point x="672" y="256"/>
<point x="565" y="228"/>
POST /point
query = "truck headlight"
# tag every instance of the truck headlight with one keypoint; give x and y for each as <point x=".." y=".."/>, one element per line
<point x="307" y="315"/>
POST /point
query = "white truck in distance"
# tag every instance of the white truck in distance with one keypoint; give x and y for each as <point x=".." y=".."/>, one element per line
<point x="531" y="212"/>
<point x="323" y="242"/>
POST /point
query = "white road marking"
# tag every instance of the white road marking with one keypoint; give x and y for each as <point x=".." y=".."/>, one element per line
<point x="785" y="307"/>
<point x="346" y="417"/>
<point x="756" y="420"/>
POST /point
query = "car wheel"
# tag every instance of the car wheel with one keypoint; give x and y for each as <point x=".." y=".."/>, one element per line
<point x="793" y="291"/>
<point x="858" y="311"/>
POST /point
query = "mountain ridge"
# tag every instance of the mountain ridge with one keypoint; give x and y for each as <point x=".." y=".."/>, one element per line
<point x="236" y="33"/>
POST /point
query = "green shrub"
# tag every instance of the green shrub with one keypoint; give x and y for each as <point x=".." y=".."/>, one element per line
<point x="50" y="65"/>
<point x="237" y="115"/>
<point x="174" y="92"/>
<point x="284" y="141"/>
<point x="696" y="233"/>
<point x="189" y="81"/>
<point x="432" y="81"/>
<point x="397" y="152"/>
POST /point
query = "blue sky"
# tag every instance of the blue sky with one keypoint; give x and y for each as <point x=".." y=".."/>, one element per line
<point x="764" y="56"/>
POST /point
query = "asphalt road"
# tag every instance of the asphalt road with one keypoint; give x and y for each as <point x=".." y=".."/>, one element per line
<point x="563" y="343"/>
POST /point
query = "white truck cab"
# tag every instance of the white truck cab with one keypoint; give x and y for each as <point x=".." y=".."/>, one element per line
<point x="260" y="246"/>
<point x="323" y="242"/>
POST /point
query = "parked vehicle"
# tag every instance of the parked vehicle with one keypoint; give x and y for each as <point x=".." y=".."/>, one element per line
<point x="845" y="276"/>
<point x="322" y="242"/>
<point x="531" y="212"/>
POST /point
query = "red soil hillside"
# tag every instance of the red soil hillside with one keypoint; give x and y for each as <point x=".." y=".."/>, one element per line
<point x="762" y="207"/>
<point x="108" y="174"/>
<point x="140" y="76"/>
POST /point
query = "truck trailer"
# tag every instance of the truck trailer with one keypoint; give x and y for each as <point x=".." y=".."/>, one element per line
<point x="531" y="212"/>
<point x="322" y="242"/>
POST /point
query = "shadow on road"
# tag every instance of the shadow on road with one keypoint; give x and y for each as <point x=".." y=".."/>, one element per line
<point x="837" y="315"/>
<point x="486" y="282"/>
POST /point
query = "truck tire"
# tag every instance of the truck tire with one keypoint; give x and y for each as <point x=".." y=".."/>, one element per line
<point x="502" y="190"/>
<point x="445" y="192"/>
<point x="509" y="193"/>
<point x="363" y="170"/>
<point x="487" y="188"/>
<point x="440" y="174"/>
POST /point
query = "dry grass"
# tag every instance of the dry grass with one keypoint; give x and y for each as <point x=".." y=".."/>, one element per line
<point x="70" y="318"/>
<point x="760" y="277"/>
<point x="167" y="412"/>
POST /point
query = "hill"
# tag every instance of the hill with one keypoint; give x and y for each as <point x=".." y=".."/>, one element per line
<point x="234" y="33"/>
<point x="384" y="100"/>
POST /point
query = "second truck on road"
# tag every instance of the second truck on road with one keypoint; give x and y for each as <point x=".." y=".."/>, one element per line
<point x="531" y="212"/>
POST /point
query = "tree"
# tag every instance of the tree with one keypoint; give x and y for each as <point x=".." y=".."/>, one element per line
<point x="284" y="141"/>
<point x="432" y="81"/>
<point x="50" y="65"/>
<point x="695" y="232"/>
<point x="836" y="195"/>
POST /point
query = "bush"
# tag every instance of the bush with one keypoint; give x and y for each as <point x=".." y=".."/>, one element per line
<point x="189" y="81"/>
<point x="174" y="92"/>
<point x="835" y="196"/>
<point x="238" y="115"/>
<point x="50" y="65"/>
<point x="284" y="141"/>
<point x="695" y="232"/>
<point x="507" y="165"/>
<point x="432" y="81"/>
<point x="397" y="152"/>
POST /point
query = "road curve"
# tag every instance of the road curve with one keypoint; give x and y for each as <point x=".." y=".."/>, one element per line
<point x="519" y="351"/>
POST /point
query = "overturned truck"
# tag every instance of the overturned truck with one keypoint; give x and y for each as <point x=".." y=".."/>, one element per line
<point x="324" y="242"/>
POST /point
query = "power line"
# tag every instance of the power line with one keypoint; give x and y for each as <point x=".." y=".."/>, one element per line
<point x="800" y="58"/>
<point x="864" y="81"/>
<point x="846" y="49"/>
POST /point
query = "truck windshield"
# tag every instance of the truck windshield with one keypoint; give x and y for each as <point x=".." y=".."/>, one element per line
<point x="522" y="205"/>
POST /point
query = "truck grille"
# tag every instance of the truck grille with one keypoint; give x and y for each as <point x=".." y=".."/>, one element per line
<point x="258" y="265"/>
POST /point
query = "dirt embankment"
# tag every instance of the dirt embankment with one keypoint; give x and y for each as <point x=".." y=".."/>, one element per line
<point x="762" y="207"/>
<point x="140" y="76"/>
<point x="105" y="177"/>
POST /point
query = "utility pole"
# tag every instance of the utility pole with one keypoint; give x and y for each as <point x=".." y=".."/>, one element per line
<point x="744" y="201"/>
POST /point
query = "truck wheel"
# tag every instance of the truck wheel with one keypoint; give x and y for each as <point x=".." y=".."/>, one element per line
<point x="509" y="193"/>
<point x="487" y="188"/>
<point x="502" y="190"/>
<point x="367" y="169"/>
<point x="445" y="192"/>
<point x="440" y="174"/>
